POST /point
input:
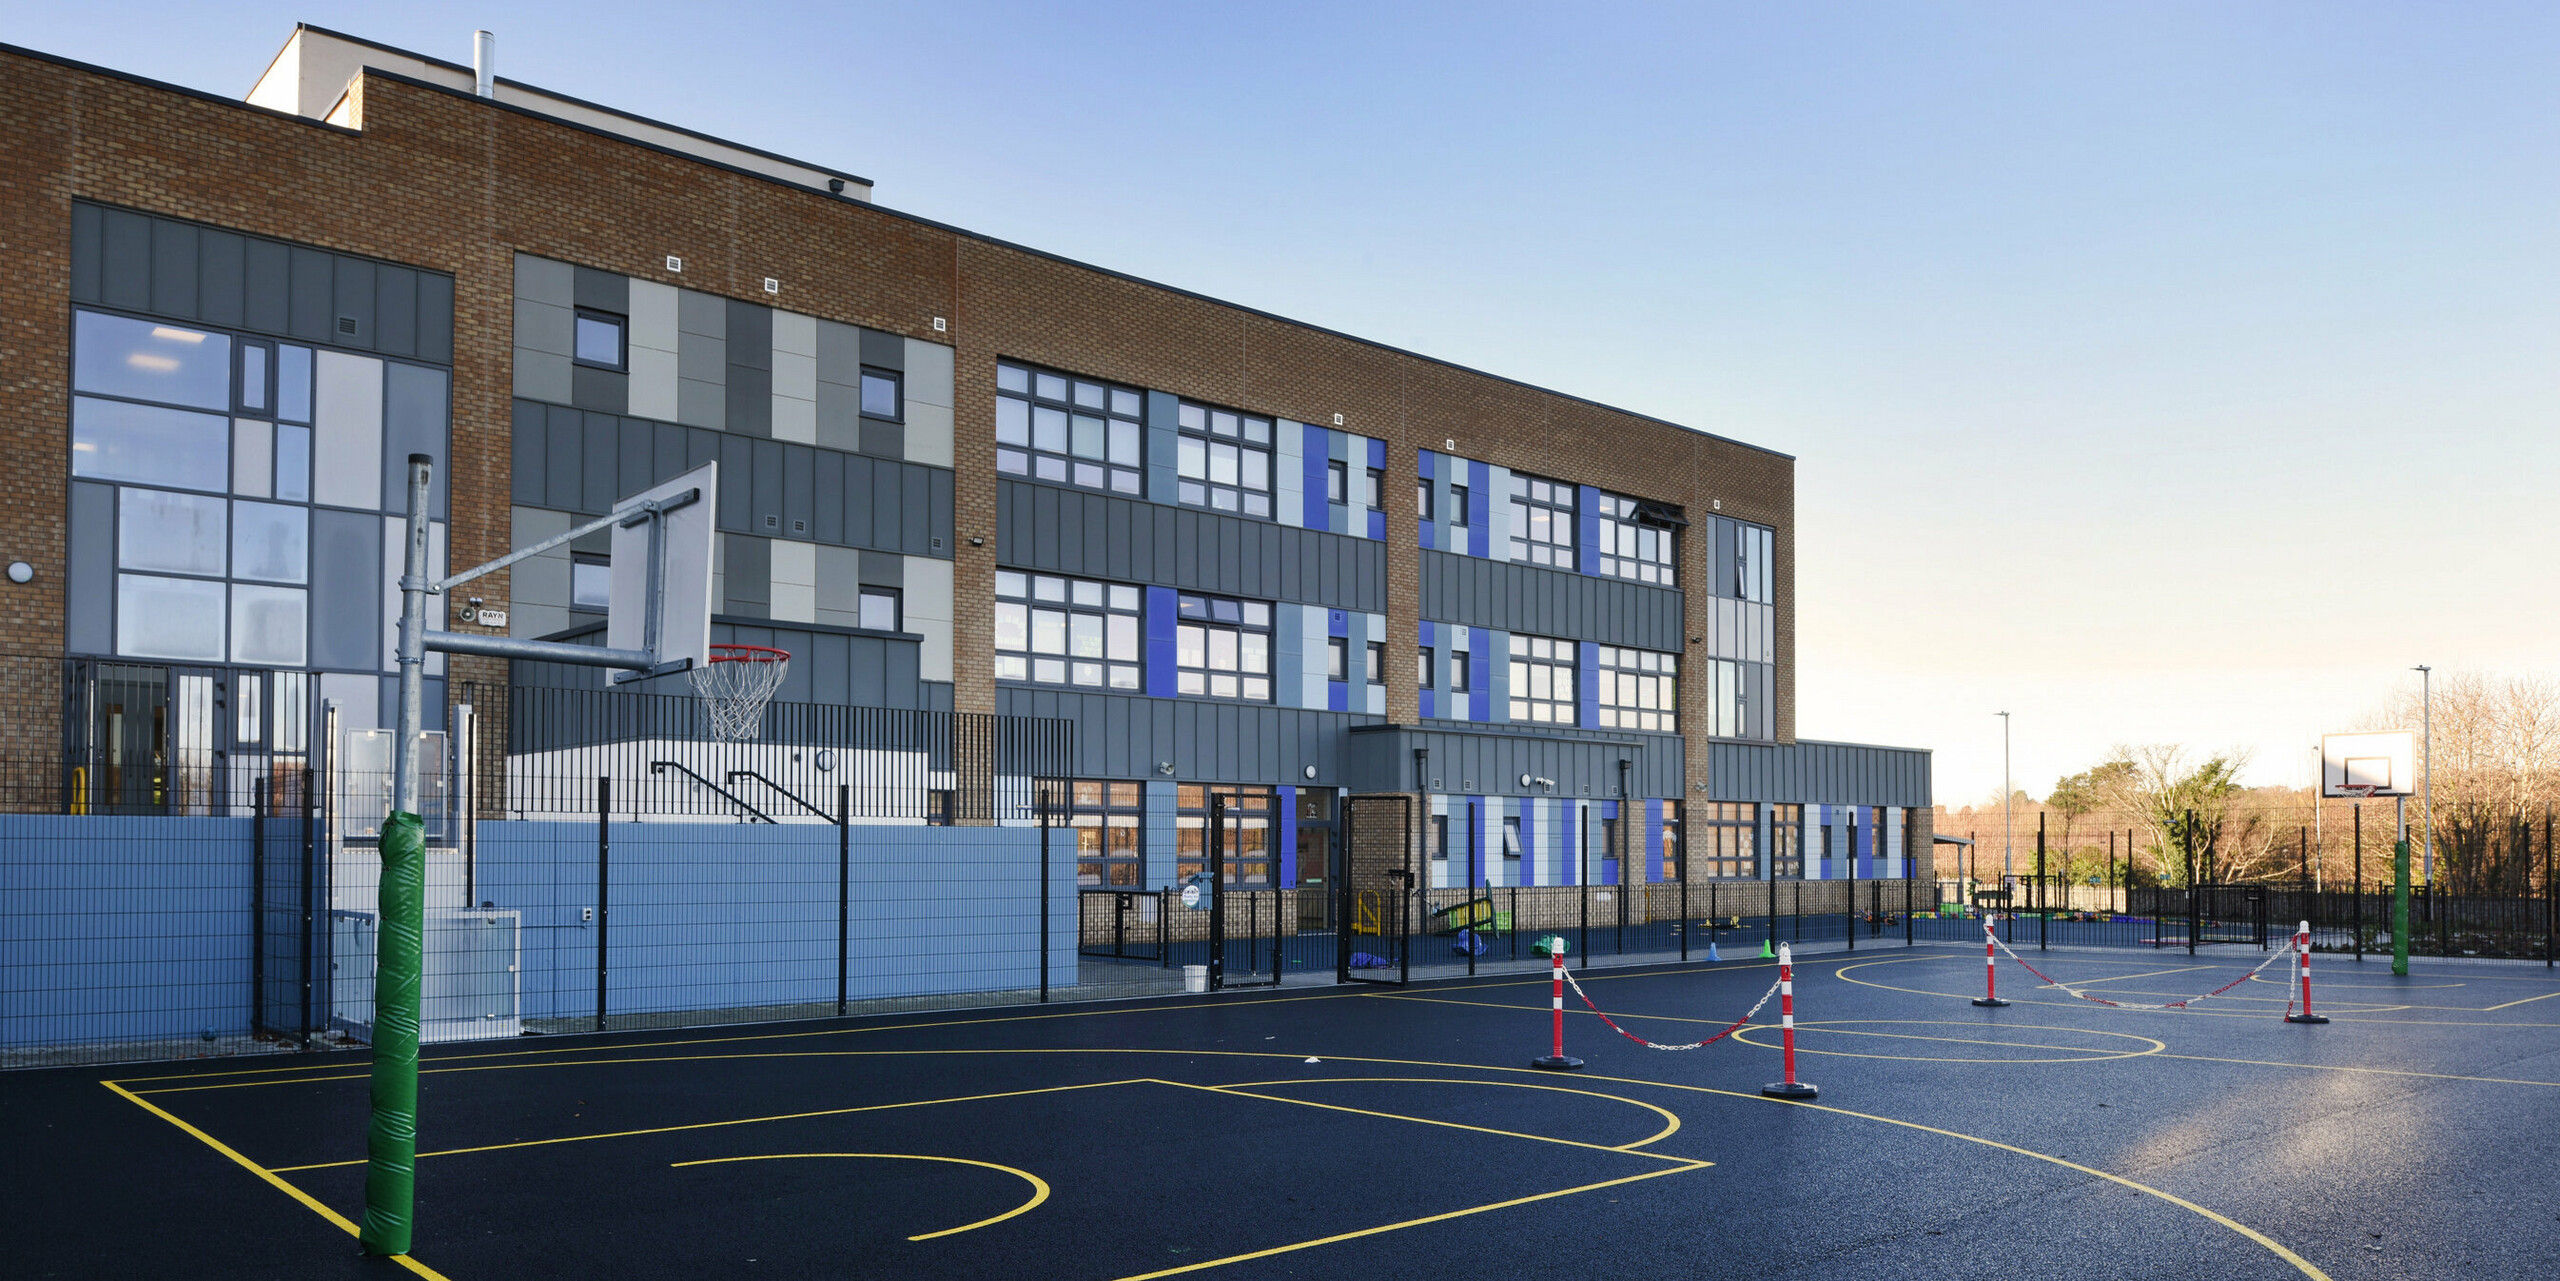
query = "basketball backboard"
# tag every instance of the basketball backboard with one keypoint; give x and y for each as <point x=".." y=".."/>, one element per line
<point x="683" y="589"/>
<point x="2386" y="760"/>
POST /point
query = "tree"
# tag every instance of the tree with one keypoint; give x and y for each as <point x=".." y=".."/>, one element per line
<point x="2160" y="788"/>
<point x="2079" y="795"/>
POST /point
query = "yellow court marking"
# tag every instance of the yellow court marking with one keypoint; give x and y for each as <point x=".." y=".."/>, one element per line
<point x="2544" y="997"/>
<point x="1843" y="975"/>
<point x="308" y="1201"/>
<point x="715" y="1125"/>
<point x="1039" y="1188"/>
<point x="1415" y="1223"/>
<point x="1670" y="1120"/>
<point x="2146" y="974"/>
<point x="2336" y="1067"/>
<point x="1242" y="1093"/>
<point x="2080" y="1053"/>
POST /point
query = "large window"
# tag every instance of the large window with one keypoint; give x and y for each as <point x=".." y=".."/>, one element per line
<point x="1067" y="631"/>
<point x="1225" y="461"/>
<point x="1639" y="689"/>
<point x="1106" y="818"/>
<point x="1542" y="683"/>
<point x="1248" y="826"/>
<point x="1222" y="648"/>
<point x="1542" y="521"/>
<point x="1071" y="430"/>
<point x="1786" y="841"/>
<point x="1633" y="545"/>
<point x="1724" y="840"/>
<point x="1672" y="843"/>
<point x="1754" y="560"/>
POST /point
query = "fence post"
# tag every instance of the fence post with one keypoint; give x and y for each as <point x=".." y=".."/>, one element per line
<point x="844" y="892"/>
<point x="2355" y="812"/>
<point x="2187" y="839"/>
<point x="2550" y="899"/>
<point x="604" y="856"/>
<point x="1044" y="895"/>
<point x="1681" y="844"/>
<point x="310" y="899"/>
<point x="258" y="909"/>
<point x="1583" y="944"/>
<point x="1215" y="846"/>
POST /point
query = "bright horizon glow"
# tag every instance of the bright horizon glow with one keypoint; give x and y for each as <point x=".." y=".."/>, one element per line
<point x="2173" y="373"/>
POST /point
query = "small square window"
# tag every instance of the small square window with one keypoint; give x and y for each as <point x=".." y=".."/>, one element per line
<point x="600" y="339"/>
<point x="1377" y="662"/>
<point x="1336" y="475"/>
<point x="1376" y="498"/>
<point x="1337" y="658"/>
<point x="1458" y="671"/>
<point x="1458" y="505"/>
<point x="1422" y="670"/>
<point x="590" y="582"/>
<point x="1422" y="498"/>
<point x="879" y="609"/>
<point x="880" y="394"/>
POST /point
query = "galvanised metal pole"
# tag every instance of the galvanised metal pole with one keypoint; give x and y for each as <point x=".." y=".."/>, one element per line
<point x="391" y="1140"/>
<point x="2427" y="800"/>
<point x="2400" y="887"/>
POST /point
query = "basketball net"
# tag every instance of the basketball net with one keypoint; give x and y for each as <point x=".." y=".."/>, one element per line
<point x="736" y="684"/>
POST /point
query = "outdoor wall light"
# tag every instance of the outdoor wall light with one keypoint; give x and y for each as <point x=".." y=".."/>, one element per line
<point x="21" y="572"/>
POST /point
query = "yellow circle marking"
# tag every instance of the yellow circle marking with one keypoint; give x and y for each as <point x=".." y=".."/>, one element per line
<point x="2073" y="1002"/>
<point x="1039" y="1189"/>
<point x="1841" y="1028"/>
<point x="1670" y="1121"/>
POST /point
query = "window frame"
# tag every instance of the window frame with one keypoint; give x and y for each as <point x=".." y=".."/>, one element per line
<point x="621" y="363"/>
<point x="1242" y="441"/>
<point x="1106" y="808"/>
<point x="1337" y="658"/>
<point x="897" y="380"/>
<point x="1562" y="656"/>
<point x="1190" y="827"/>
<point x="1622" y="518"/>
<point x="1460" y="506"/>
<point x="1562" y="545"/>
<point x="1209" y="624"/>
<point x="590" y="560"/>
<point x="1623" y="667"/>
<point x="1032" y="603"/>
<point x="865" y="593"/>
<point x="1337" y="481"/>
<point x="1461" y="672"/>
<point x="1423" y="502"/>
<point x="1110" y="474"/>
<point x="1376" y="654"/>
<point x="1426" y="670"/>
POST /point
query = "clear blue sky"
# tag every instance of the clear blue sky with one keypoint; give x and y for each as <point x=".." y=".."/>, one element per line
<point x="2164" y="372"/>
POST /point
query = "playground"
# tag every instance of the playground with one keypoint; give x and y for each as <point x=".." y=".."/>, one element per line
<point x="1395" y="1132"/>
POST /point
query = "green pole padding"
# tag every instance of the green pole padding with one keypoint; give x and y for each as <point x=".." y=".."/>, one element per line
<point x="391" y="1141"/>
<point x="2400" y="908"/>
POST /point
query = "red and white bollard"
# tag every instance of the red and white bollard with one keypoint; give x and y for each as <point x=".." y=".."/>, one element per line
<point x="1558" y="1060"/>
<point x="1990" y="970"/>
<point x="2302" y="965"/>
<point x="1791" y="1088"/>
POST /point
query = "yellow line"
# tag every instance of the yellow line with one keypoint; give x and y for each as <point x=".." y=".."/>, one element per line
<point x="2526" y="1001"/>
<point x="1039" y="1189"/>
<point x="2147" y="974"/>
<point x="1671" y="1127"/>
<point x="1424" y="1120"/>
<point x="1415" y="1223"/>
<point x="714" y="1125"/>
<point x="308" y="1201"/>
<point x="2090" y="1054"/>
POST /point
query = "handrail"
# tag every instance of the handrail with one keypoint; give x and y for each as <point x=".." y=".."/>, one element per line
<point x="736" y="774"/>
<point x="661" y="767"/>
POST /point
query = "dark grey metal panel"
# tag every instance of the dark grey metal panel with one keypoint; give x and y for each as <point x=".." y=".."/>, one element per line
<point x="346" y="590"/>
<point x="602" y="290"/>
<point x="1816" y="773"/>
<point x="747" y="576"/>
<point x="748" y="398"/>
<point x="938" y="696"/>
<point x="667" y="460"/>
<point x="635" y="444"/>
<point x="89" y="585"/>
<point x="702" y="445"/>
<point x="857" y="500"/>
<point x="885" y="505"/>
<point x="766" y="495"/>
<point x="220" y="261"/>
<point x="880" y="569"/>
<point x="750" y="335"/>
<point x="435" y="317"/>
<point x="945" y="514"/>
<point x="1491" y="762"/>
<point x="268" y="291"/>
<point x="799" y="489"/>
<point x="603" y="438"/>
<point x="830" y="661"/>
<point x="1546" y="602"/>
<point x="869" y="683"/>
<point x="125" y="272"/>
<point x="884" y="351"/>
<point x="88" y="250"/>
<point x="902" y="665"/>
<point x="351" y="299"/>
<point x="563" y="475"/>
<point x="737" y="482"/>
<point x="173" y="268"/>
<point x="606" y="391"/>
<point x="309" y="295"/>
<point x="826" y="496"/>
<point x="395" y="310"/>
<point x="915" y="511"/>
<point x="532" y="445"/>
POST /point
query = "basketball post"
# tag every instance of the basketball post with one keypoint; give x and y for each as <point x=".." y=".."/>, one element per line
<point x="2360" y="766"/>
<point x="391" y="1138"/>
<point x="2400" y="887"/>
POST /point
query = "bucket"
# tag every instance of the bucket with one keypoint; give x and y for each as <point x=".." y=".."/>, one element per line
<point x="1195" y="978"/>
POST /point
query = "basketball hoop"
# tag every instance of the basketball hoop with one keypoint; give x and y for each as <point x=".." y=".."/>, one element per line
<point x="2357" y="791"/>
<point x="735" y="684"/>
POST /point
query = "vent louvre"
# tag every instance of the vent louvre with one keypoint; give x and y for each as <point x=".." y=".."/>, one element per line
<point x="346" y="326"/>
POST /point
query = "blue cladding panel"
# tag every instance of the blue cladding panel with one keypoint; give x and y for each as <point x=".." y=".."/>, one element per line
<point x="1587" y="675"/>
<point x="1430" y="699"/>
<point x="1481" y="505"/>
<point x="1378" y="525"/>
<point x="1160" y="625"/>
<point x="1653" y="841"/>
<point x="1589" y="560"/>
<point x="1287" y="855"/>
<point x="1377" y="453"/>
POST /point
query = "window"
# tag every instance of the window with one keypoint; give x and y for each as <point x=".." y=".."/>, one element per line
<point x="1542" y="685"/>
<point x="1511" y="847"/>
<point x="270" y="542"/>
<point x="1247" y="852"/>
<point x="1106" y="818"/>
<point x="1542" y="521"/>
<point x="148" y="444"/>
<point x="1422" y="675"/>
<point x="1377" y="662"/>
<point x="1070" y="430"/>
<point x="1225" y="462"/>
<point x="1337" y="479"/>
<point x="881" y="394"/>
<point x="1222" y="648"/>
<point x="1337" y="659"/>
<point x="1633" y="543"/>
<point x="253" y="375"/>
<point x="179" y="618"/>
<point x="1458" y="672"/>
<point x="1728" y="840"/>
<point x="1440" y="838"/>
<point x="1066" y="631"/>
<point x="1639" y="689"/>
<point x="1725" y="698"/>
<point x="1671" y="841"/>
<point x="1458" y="505"/>
<point x="590" y="582"/>
<point x="1610" y="873"/>
<point x="1786" y="840"/>
<point x="1755" y="555"/>
<point x="880" y="609"/>
<point x="1422" y="498"/>
<point x="146" y="360"/>
<point x="600" y="339"/>
<point x="171" y="533"/>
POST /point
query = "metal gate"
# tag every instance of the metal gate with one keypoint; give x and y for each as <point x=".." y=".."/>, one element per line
<point x="2231" y="914"/>
<point x="1376" y="910"/>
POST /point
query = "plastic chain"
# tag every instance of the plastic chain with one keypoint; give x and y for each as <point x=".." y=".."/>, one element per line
<point x="2272" y="958"/>
<point x="1729" y="1030"/>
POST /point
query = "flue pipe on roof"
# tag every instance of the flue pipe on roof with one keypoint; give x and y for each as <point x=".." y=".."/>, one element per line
<point x="484" y="63"/>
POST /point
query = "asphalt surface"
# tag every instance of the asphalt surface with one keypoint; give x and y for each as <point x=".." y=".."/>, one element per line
<point x="2412" y="1137"/>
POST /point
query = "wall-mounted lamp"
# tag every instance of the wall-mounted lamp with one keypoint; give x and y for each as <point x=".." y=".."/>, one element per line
<point x="21" y="572"/>
<point x="975" y="541"/>
<point x="1165" y="768"/>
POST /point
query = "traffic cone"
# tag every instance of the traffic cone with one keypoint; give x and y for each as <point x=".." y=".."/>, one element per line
<point x="1765" y="953"/>
<point x="1711" y="953"/>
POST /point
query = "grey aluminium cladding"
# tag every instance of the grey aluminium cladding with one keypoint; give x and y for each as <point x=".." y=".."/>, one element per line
<point x="1097" y="535"/>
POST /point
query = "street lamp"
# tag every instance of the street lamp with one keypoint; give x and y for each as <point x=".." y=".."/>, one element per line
<point x="2427" y="792"/>
<point x="2005" y="791"/>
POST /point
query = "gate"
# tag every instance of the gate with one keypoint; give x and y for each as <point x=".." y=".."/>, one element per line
<point x="1376" y="911"/>
<point x="2231" y="914"/>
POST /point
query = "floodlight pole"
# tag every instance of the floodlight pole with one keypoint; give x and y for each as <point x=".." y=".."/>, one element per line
<point x="2427" y="771"/>
<point x="2400" y="886"/>
<point x="2005" y="791"/>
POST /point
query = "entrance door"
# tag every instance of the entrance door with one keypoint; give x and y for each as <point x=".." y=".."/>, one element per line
<point x="1315" y="884"/>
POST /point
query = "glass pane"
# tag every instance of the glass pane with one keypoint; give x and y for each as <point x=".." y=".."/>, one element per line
<point x="253" y="462"/>
<point x="1013" y="626"/>
<point x="267" y="625"/>
<point x="1124" y="678"/>
<point x="293" y="463"/>
<point x="1087" y="673"/>
<point x="180" y="533"/>
<point x="1257" y="504"/>
<point x="1044" y="587"/>
<point x="1051" y="386"/>
<point x="1124" y="402"/>
<point x="1049" y="429"/>
<point x="1013" y="377"/>
<point x="1193" y="418"/>
<point x="1052" y="670"/>
<point x="1089" y="475"/>
<point x="1194" y="493"/>
<point x="1089" y="395"/>
<point x="1191" y="646"/>
<point x="599" y="340"/>
<point x="1192" y="606"/>
<point x="1223" y="499"/>
<point x="1258" y="430"/>
<point x="1222" y="423"/>
<point x="1013" y="421"/>
<point x="1257" y="469"/>
<point x="1050" y="468"/>
<point x="1012" y="668"/>
<point x="169" y="618"/>
<point x="1222" y="650"/>
<point x="1125" y="482"/>
<point x="879" y="395"/>
<point x="1123" y="638"/>
<point x="1087" y="592"/>
<point x="590" y="585"/>
<point x="113" y="440"/>
<point x="879" y="612"/>
<point x="1254" y="652"/>
<point x="271" y="542"/>
<point x="167" y="363"/>
<point x="1222" y="463"/>
<point x="1012" y="461"/>
<point x="1124" y="597"/>
<point x="1257" y="614"/>
<point x="1010" y="582"/>
<point x="1193" y="460"/>
<point x="293" y="384"/>
<point x="1257" y="688"/>
<point x="1124" y="442"/>
<point x="1225" y="611"/>
<point x="1222" y="686"/>
<point x="1048" y="632"/>
<point x="1087" y="439"/>
<point x="253" y="376"/>
<point x="1193" y="683"/>
<point x="1084" y="638"/>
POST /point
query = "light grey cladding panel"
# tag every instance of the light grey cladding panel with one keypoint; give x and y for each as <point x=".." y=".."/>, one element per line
<point x="1817" y="773"/>
<point x="89" y="587"/>
<point x="1073" y="531"/>
<point x="1545" y="602"/>
<point x="546" y="281"/>
<point x="346" y="590"/>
